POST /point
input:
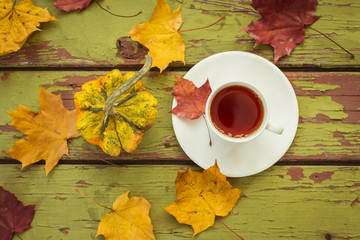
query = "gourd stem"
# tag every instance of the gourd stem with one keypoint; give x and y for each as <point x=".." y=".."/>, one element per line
<point x="110" y="101"/>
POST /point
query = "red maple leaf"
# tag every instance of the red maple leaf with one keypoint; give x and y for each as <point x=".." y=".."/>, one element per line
<point x="282" y="23"/>
<point x="191" y="100"/>
<point x="71" y="5"/>
<point x="14" y="216"/>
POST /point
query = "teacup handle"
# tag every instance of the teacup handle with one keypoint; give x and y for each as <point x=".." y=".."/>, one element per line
<point x="275" y="128"/>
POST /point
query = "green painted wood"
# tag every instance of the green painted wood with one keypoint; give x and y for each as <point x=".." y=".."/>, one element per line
<point x="284" y="202"/>
<point x="92" y="40"/>
<point x="328" y="104"/>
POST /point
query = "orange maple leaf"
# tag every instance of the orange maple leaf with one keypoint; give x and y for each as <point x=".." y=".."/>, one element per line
<point x="160" y="35"/>
<point x="47" y="131"/>
<point x="18" y="22"/>
<point x="129" y="219"/>
<point x="201" y="197"/>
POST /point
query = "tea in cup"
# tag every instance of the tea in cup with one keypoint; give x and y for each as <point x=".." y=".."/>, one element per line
<point x="237" y="112"/>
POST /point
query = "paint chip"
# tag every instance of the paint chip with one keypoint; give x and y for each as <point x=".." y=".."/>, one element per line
<point x="296" y="173"/>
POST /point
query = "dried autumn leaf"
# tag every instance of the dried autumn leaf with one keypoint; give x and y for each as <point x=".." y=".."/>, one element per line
<point x="201" y="197"/>
<point x="71" y="5"/>
<point x="47" y="131"/>
<point x="14" y="216"/>
<point x="191" y="100"/>
<point x="18" y="22"/>
<point x="282" y="24"/>
<point x="160" y="35"/>
<point x="131" y="115"/>
<point x="128" y="220"/>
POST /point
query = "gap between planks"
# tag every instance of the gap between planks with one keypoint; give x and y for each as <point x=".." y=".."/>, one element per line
<point x="169" y="69"/>
<point x="342" y="162"/>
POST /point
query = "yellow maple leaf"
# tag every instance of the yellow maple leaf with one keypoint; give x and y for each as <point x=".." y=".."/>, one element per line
<point x="160" y="35"/>
<point x="129" y="219"/>
<point x="18" y="22"/>
<point x="47" y="131"/>
<point x="201" y="197"/>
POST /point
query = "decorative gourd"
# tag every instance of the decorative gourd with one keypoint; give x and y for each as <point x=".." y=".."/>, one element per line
<point x="114" y="111"/>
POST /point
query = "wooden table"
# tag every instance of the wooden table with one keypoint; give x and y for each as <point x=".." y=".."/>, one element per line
<point x="313" y="192"/>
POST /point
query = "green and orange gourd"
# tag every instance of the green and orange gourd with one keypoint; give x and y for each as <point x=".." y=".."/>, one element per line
<point x="115" y="110"/>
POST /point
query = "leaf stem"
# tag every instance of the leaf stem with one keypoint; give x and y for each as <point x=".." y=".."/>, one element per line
<point x="207" y="126"/>
<point x="93" y="200"/>
<point x="352" y="55"/>
<point x="116" y="15"/>
<point x="17" y="234"/>
<point x="229" y="228"/>
<point x="186" y="30"/>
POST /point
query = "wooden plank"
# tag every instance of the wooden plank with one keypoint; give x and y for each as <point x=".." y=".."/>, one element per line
<point x="307" y="202"/>
<point x="328" y="125"/>
<point x="93" y="42"/>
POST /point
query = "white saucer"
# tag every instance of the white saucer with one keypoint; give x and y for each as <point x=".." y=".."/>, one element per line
<point x="240" y="159"/>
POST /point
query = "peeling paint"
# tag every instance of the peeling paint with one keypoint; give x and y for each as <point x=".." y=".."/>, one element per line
<point x="68" y="85"/>
<point x="82" y="182"/>
<point x="240" y="41"/>
<point x="356" y="201"/>
<point x="113" y="185"/>
<point x="7" y="128"/>
<point x="96" y="40"/>
<point x="330" y="83"/>
<point x="198" y="40"/>
<point x="169" y="89"/>
<point x="64" y="230"/>
<point x="101" y="167"/>
<point x="309" y="107"/>
<point x="39" y="53"/>
<point x="296" y="173"/>
<point x="60" y="198"/>
<point x="244" y="7"/>
<point x="268" y="199"/>
<point x="5" y="76"/>
<point x="320" y="177"/>
<point x="311" y="86"/>
<point x="324" y="138"/>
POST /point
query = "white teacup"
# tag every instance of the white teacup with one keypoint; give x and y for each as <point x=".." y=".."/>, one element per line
<point x="237" y="112"/>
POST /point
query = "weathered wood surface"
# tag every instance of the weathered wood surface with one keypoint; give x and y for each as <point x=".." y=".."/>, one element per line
<point x="284" y="202"/>
<point x="91" y="42"/>
<point x="328" y="104"/>
<point x="293" y="201"/>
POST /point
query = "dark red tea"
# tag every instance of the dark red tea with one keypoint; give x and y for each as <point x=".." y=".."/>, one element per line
<point x="236" y="111"/>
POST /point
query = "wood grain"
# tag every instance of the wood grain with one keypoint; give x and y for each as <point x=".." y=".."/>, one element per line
<point x="328" y="126"/>
<point x="93" y="42"/>
<point x="292" y="200"/>
<point x="284" y="202"/>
